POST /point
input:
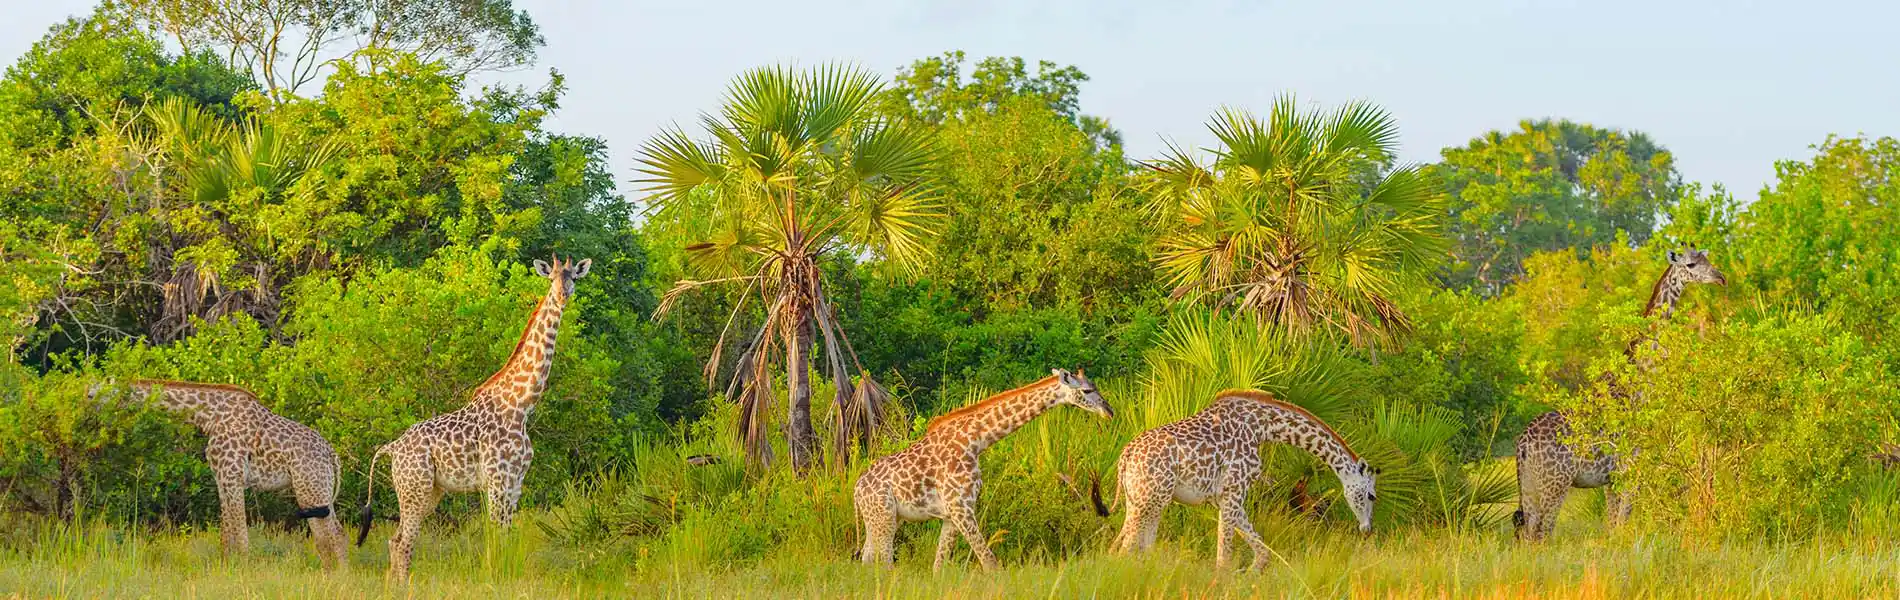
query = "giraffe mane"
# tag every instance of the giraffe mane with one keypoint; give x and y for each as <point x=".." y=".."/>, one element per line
<point x="1268" y="399"/>
<point x="939" y="420"/>
<point x="518" y="344"/>
<point x="196" y="385"/>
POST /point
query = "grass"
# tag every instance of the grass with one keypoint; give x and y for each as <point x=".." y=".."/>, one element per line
<point x="96" y="561"/>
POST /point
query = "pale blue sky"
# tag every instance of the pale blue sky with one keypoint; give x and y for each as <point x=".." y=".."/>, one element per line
<point x="1729" y="87"/>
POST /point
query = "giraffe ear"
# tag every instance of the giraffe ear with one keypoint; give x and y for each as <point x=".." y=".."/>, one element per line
<point x="541" y="268"/>
<point x="580" y="268"/>
<point x="1675" y="257"/>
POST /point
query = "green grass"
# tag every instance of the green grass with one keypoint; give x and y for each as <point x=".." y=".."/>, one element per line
<point x="96" y="561"/>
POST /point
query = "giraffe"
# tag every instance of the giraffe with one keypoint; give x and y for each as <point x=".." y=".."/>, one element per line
<point x="1215" y="455"/>
<point x="1548" y="467"/>
<point x="938" y="477"/>
<point x="484" y="446"/>
<point x="250" y="447"/>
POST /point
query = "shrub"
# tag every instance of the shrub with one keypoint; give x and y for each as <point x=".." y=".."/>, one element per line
<point x="1751" y="428"/>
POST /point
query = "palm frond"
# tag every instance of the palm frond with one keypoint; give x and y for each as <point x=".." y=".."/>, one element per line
<point x="895" y="152"/>
<point x="1363" y="130"/>
<point x="835" y="96"/>
<point x="673" y="165"/>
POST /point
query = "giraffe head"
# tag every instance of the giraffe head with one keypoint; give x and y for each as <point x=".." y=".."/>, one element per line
<point x="1694" y="266"/>
<point x="1357" y="482"/>
<point x="561" y="276"/>
<point x="1078" y="391"/>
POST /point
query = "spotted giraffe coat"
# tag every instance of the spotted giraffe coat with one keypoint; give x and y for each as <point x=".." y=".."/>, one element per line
<point x="939" y="476"/>
<point x="1215" y="455"/>
<point x="483" y="446"/>
<point x="1549" y="466"/>
<point x="250" y="447"/>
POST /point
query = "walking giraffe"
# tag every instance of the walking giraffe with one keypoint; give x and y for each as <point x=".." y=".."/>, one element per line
<point x="251" y="447"/>
<point x="938" y="477"/>
<point x="1215" y="455"/>
<point x="484" y="445"/>
<point x="1548" y="467"/>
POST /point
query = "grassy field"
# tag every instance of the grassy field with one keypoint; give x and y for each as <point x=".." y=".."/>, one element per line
<point x="99" y="562"/>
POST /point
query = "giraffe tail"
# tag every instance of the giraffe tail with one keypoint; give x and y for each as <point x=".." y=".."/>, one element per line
<point x="1095" y="496"/>
<point x="368" y="513"/>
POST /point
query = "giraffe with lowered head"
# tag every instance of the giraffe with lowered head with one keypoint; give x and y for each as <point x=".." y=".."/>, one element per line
<point x="1215" y="455"/>
<point x="938" y="477"/>
<point x="484" y="446"/>
<point x="250" y="447"/>
<point x="1548" y="467"/>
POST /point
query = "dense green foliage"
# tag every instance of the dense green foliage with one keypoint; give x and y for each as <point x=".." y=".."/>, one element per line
<point x="358" y="257"/>
<point x="1550" y="185"/>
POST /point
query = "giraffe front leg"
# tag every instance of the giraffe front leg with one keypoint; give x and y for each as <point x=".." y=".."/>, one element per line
<point x="1617" y="499"/>
<point x="1233" y="510"/>
<point x="965" y="519"/>
<point x="503" y="475"/>
<point x="502" y="503"/>
<point x="228" y="466"/>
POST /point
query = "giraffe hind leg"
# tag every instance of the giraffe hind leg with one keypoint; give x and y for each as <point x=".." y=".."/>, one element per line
<point x="946" y="539"/>
<point x="416" y="498"/>
<point x="317" y="490"/>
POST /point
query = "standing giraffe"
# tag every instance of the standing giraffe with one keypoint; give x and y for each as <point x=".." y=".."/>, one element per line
<point x="1215" y="455"/>
<point x="483" y="446"/>
<point x="1548" y="467"/>
<point x="938" y="477"/>
<point x="251" y="447"/>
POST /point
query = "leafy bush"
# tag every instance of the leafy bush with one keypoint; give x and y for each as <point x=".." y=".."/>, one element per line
<point x="1759" y="427"/>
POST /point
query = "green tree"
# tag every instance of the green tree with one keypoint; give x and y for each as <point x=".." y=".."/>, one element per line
<point x="1549" y="185"/>
<point x="285" y="44"/>
<point x="71" y="161"/>
<point x="799" y="167"/>
<point x="1040" y="213"/>
<point x="934" y="90"/>
<point x="1299" y="221"/>
<point x="1824" y="235"/>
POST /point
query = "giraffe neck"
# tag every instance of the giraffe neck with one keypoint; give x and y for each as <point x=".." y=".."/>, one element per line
<point x="198" y="404"/>
<point x="992" y="420"/>
<point x="1666" y="294"/>
<point x="521" y="381"/>
<point x="1273" y="421"/>
<point x="1663" y="297"/>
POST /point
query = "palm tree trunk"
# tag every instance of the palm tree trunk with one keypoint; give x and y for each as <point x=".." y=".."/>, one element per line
<point x="800" y="440"/>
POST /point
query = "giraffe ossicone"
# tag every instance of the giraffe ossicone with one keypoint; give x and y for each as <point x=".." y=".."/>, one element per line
<point x="1215" y="455"/>
<point x="250" y="447"/>
<point x="938" y="476"/>
<point x="483" y="446"/>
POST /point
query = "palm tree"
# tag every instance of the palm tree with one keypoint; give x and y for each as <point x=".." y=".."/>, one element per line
<point x="798" y="167"/>
<point x="1300" y="220"/>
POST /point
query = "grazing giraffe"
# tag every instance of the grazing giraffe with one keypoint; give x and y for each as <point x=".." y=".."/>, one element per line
<point x="483" y="446"/>
<point x="1215" y="455"/>
<point x="938" y="477"/>
<point x="251" y="447"/>
<point x="1548" y="467"/>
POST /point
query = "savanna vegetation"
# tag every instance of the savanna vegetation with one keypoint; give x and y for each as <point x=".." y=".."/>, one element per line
<point x="795" y="284"/>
